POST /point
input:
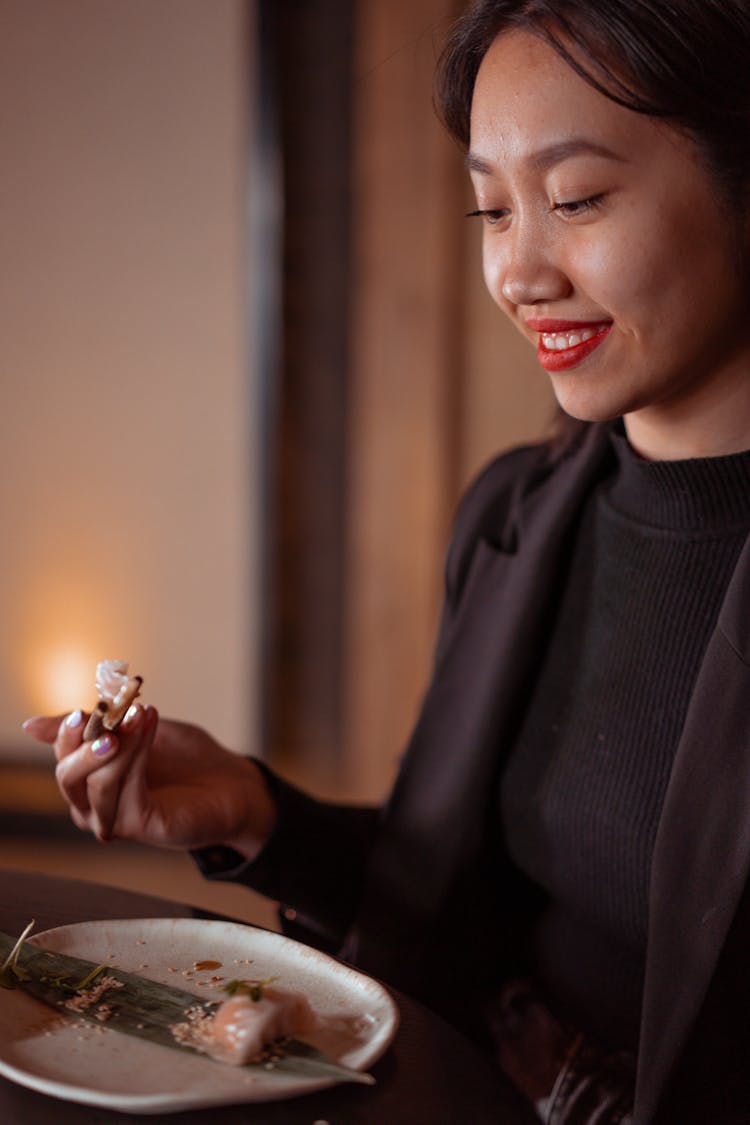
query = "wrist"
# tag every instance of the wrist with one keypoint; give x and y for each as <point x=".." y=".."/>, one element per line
<point x="258" y="814"/>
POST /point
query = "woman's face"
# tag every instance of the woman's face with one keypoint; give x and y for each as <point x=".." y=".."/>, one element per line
<point x="606" y="245"/>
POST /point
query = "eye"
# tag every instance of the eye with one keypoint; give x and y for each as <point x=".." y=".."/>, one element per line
<point x="572" y="208"/>
<point x="490" y="217"/>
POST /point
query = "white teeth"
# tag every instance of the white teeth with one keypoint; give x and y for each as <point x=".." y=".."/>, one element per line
<point x="559" y="341"/>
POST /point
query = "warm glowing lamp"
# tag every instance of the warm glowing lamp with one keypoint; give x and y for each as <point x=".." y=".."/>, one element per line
<point x="66" y="631"/>
<point x="64" y="678"/>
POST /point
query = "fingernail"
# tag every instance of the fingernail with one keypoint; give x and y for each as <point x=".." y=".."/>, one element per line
<point x="29" y="722"/>
<point x="103" y="745"/>
<point x="74" y="719"/>
<point x="131" y="715"/>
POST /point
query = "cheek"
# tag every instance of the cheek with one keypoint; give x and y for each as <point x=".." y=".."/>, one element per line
<point x="621" y="276"/>
<point x="492" y="272"/>
<point x="493" y="268"/>
<point x="654" y="273"/>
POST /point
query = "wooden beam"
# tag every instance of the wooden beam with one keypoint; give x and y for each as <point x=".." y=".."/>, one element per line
<point x="403" y="402"/>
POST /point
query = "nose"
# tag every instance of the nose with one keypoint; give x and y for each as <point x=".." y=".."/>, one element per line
<point x="524" y="268"/>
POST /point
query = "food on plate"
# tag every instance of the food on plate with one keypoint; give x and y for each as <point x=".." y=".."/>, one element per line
<point x="116" y="690"/>
<point x="256" y="1026"/>
<point x="242" y="1027"/>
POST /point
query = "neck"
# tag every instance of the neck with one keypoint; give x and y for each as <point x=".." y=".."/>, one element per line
<point x="714" y="428"/>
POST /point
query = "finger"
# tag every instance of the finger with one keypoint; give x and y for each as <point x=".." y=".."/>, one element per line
<point x="69" y="734"/>
<point x="129" y="818"/>
<point x="74" y="769"/>
<point x="139" y="772"/>
<point x="43" y="728"/>
<point x="116" y="790"/>
<point x="78" y="761"/>
<point x="103" y="794"/>
<point x="80" y="820"/>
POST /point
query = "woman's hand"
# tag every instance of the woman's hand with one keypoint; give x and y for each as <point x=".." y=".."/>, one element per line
<point x="158" y="782"/>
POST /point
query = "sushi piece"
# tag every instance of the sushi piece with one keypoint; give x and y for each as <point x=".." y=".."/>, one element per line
<point x="243" y="1027"/>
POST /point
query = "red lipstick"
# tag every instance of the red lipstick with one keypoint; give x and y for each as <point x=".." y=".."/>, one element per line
<point x="553" y="359"/>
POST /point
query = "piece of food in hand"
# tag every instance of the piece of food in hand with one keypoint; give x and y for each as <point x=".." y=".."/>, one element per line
<point x="116" y="691"/>
<point x="243" y="1027"/>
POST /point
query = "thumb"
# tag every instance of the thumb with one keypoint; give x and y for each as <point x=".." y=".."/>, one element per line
<point x="43" y="728"/>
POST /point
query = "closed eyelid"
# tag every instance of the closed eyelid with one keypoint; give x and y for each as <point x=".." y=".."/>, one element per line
<point x="489" y="215"/>
<point x="578" y="204"/>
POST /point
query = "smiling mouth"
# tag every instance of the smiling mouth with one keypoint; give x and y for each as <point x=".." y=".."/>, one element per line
<point x="559" y="341"/>
<point x="567" y="347"/>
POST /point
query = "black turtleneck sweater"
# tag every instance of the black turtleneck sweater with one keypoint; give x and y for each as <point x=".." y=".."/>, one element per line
<point x="584" y="784"/>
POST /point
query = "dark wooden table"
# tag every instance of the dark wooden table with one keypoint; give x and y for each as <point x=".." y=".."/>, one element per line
<point x="431" y="1075"/>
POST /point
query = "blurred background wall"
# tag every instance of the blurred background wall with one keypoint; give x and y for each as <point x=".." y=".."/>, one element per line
<point x="248" y="366"/>
<point x="127" y="430"/>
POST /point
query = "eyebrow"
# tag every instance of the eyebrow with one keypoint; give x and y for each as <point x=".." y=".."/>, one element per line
<point x="551" y="155"/>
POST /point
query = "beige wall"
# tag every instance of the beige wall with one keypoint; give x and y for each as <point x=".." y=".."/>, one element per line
<point x="126" y="434"/>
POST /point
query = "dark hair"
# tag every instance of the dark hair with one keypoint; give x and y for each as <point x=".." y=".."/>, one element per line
<point x="686" y="61"/>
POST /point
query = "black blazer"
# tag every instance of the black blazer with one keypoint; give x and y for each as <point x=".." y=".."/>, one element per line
<point x="421" y="895"/>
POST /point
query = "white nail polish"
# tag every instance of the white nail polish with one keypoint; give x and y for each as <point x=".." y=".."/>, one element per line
<point x="130" y="715"/>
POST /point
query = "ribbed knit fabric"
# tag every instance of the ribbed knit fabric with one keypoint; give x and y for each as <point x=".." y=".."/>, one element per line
<point x="584" y="785"/>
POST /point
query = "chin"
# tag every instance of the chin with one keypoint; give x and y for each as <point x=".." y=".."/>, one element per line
<point x="588" y="411"/>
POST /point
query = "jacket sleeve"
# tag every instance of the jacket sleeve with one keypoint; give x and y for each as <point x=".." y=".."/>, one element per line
<point x="313" y="864"/>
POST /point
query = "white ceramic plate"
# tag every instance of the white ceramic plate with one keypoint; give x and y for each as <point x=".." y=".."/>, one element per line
<point x="357" y="1018"/>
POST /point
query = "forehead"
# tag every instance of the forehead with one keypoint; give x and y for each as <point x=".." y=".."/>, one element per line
<point x="526" y="97"/>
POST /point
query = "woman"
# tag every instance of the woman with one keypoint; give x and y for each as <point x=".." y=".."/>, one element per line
<point x="573" y="810"/>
